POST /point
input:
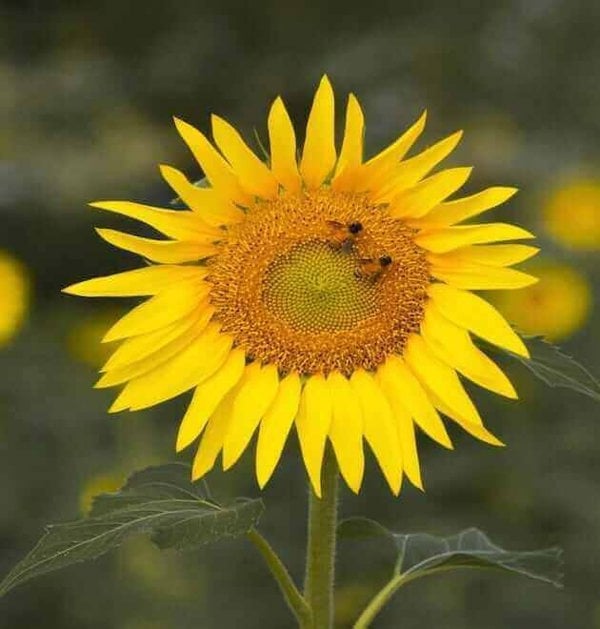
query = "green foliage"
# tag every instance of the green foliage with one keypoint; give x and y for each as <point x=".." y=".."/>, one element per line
<point x="158" y="501"/>
<point x="554" y="367"/>
<point x="557" y="369"/>
<point x="420" y="554"/>
<point x="261" y="146"/>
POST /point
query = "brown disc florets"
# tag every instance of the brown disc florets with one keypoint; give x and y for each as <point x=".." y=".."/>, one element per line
<point x="319" y="282"/>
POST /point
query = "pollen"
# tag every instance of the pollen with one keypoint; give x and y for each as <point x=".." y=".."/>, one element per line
<point x="294" y="291"/>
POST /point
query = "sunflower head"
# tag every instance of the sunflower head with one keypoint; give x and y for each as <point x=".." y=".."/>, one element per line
<point x="15" y="296"/>
<point x="337" y="285"/>
<point x="571" y="214"/>
<point x="327" y="292"/>
<point x="556" y="307"/>
<point x="102" y="483"/>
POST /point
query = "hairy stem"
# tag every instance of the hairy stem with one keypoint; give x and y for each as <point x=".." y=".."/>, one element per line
<point x="320" y="553"/>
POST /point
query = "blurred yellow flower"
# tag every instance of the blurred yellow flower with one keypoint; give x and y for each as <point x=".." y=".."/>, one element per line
<point x="162" y="572"/>
<point x="103" y="483"/>
<point x="572" y="214"/>
<point x="350" y="600"/>
<point x="557" y="306"/>
<point x="596" y="616"/>
<point x="15" y="296"/>
<point x="84" y="338"/>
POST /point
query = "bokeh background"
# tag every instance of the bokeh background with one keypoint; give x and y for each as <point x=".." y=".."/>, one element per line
<point x="87" y="94"/>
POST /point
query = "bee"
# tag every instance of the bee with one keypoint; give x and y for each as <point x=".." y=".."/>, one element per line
<point x="372" y="269"/>
<point x="343" y="235"/>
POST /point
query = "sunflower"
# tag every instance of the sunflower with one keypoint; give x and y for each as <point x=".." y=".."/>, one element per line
<point x="83" y="338"/>
<point x="103" y="483"/>
<point x="571" y="214"/>
<point x="15" y="296"/>
<point x="323" y="291"/>
<point x="557" y="306"/>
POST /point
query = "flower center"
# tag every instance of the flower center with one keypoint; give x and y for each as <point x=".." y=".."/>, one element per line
<point x="319" y="282"/>
<point x="314" y="288"/>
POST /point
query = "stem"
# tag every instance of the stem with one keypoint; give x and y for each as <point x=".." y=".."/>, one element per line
<point x="377" y="603"/>
<point x="293" y="598"/>
<point x="320" y="551"/>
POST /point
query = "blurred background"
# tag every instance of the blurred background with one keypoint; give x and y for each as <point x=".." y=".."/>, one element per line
<point x="88" y="91"/>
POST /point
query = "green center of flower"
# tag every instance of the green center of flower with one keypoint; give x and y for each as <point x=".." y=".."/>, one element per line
<point x="315" y="287"/>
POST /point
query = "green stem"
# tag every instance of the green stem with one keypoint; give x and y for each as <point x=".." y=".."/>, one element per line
<point x="320" y="552"/>
<point x="293" y="598"/>
<point x="380" y="599"/>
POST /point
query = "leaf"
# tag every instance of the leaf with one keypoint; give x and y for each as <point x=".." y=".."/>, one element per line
<point x="556" y="369"/>
<point x="160" y="502"/>
<point x="261" y="146"/>
<point x="419" y="554"/>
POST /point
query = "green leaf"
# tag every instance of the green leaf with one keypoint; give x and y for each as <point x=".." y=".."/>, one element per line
<point x="420" y="554"/>
<point x="160" y="502"/>
<point x="556" y="369"/>
<point x="261" y="146"/>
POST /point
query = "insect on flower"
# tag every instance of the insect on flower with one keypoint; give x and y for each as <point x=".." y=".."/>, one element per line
<point x="343" y="235"/>
<point x="372" y="269"/>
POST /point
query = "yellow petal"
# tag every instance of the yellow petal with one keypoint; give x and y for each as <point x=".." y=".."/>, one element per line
<point x="474" y="313"/>
<point x="491" y="255"/>
<point x="275" y="427"/>
<point x="346" y="431"/>
<point x="149" y="280"/>
<point x="250" y="404"/>
<point x="318" y="154"/>
<point x="351" y="154"/>
<point x="162" y="354"/>
<point x="138" y="347"/>
<point x="253" y="174"/>
<point x="214" y="209"/>
<point x="459" y="210"/>
<point x="377" y="170"/>
<point x="217" y="170"/>
<point x="442" y="240"/>
<point x="212" y="439"/>
<point x="404" y="427"/>
<point x="378" y="427"/>
<point x="207" y="396"/>
<point x="191" y="366"/>
<point x="282" y="141"/>
<point x="170" y="305"/>
<point x="438" y="377"/>
<point x="178" y="224"/>
<point x="482" y="277"/>
<point x="166" y="251"/>
<point x="479" y="431"/>
<point x="412" y="170"/>
<point x="312" y="423"/>
<point x="424" y="196"/>
<point x="396" y="374"/>
<point x="453" y="345"/>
